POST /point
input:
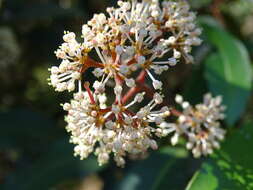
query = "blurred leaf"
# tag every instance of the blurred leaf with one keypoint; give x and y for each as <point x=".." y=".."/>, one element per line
<point x="228" y="73"/>
<point x="195" y="87"/>
<point x="238" y="9"/>
<point x="177" y="176"/>
<point x="199" y="3"/>
<point x="146" y="174"/>
<point x="160" y="171"/>
<point x="176" y="152"/>
<point x="53" y="168"/>
<point x="229" y="168"/>
<point x="234" y="97"/>
<point x="22" y="126"/>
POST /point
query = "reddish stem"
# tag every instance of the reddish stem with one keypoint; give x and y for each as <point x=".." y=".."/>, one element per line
<point x="129" y="94"/>
<point x="118" y="79"/>
<point x="175" y="112"/>
<point x="129" y="112"/>
<point x="105" y="110"/>
<point x="141" y="86"/>
<point x="216" y="12"/>
<point x="142" y="76"/>
<point x="87" y="87"/>
<point x="149" y="91"/>
<point x="140" y="80"/>
<point x="88" y="62"/>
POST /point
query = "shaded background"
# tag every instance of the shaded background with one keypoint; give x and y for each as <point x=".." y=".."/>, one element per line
<point x="34" y="148"/>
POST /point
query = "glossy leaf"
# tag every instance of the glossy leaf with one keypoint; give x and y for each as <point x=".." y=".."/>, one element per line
<point x="229" y="168"/>
<point x="229" y="72"/>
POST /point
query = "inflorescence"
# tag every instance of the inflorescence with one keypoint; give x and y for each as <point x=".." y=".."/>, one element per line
<point x="134" y="44"/>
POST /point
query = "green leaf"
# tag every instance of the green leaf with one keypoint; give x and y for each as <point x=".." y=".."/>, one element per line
<point x="228" y="73"/>
<point x="146" y="174"/>
<point x="176" y="152"/>
<point x="199" y="3"/>
<point x="56" y="166"/>
<point x="234" y="97"/>
<point x="192" y="92"/>
<point x="229" y="168"/>
<point x="177" y="176"/>
<point x="157" y="172"/>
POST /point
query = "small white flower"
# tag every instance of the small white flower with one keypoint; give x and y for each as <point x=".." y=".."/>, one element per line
<point x="109" y="124"/>
<point x="172" y="40"/>
<point x="179" y="99"/>
<point x="99" y="87"/>
<point x="130" y="83"/>
<point x="201" y="124"/>
<point x="157" y="84"/>
<point x="172" y="61"/>
<point x="69" y="37"/>
<point x="119" y="50"/>
<point x="115" y="109"/>
<point x="98" y="72"/>
<point x="158" y="98"/>
<point x="124" y="69"/>
<point x="176" y="54"/>
<point x="185" y="105"/>
<point x="141" y="60"/>
<point x="139" y="97"/>
<point x="174" y="139"/>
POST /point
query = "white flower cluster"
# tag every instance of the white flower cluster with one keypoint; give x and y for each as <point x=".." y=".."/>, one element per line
<point x="200" y="124"/>
<point x="143" y="39"/>
<point x="92" y="129"/>
<point x="137" y="35"/>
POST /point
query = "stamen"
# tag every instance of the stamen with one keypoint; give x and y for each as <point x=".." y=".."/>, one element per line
<point x="100" y="55"/>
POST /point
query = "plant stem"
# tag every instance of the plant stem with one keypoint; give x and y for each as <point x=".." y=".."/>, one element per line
<point x="216" y="12"/>
<point x="140" y="80"/>
<point x="141" y="86"/>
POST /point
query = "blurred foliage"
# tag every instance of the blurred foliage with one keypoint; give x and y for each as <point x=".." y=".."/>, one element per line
<point x="232" y="77"/>
<point x="55" y="166"/>
<point x="230" y="167"/>
<point x="34" y="148"/>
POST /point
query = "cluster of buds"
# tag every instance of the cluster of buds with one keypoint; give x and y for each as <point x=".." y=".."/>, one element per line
<point x="134" y="44"/>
